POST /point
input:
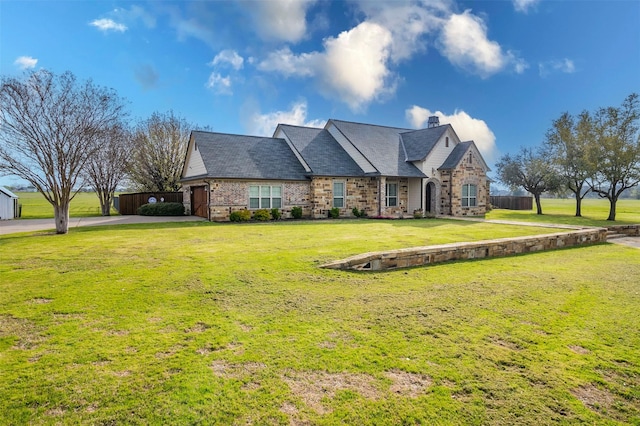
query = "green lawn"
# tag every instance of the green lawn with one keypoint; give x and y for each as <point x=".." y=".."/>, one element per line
<point x="34" y="206"/>
<point x="594" y="212"/>
<point x="236" y="324"/>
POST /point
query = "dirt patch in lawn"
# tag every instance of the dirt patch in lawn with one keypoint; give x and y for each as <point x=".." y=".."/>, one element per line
<point x="579" y="349"/>
<point x="314" y="388"/>
<point x="594" y="398"/>
<point x="228" y="370"/>
<point x="408" y="384"/>
<point x="26" y="332"/>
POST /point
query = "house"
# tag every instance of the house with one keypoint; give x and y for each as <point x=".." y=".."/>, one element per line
<point x="9" y="208"/>
<point x="383" y="171"/>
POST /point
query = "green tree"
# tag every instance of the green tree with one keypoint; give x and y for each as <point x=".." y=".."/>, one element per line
<point x="531" y="170"/>
<point x="50" y="126"/>
<point x="614" y="152"/>
<point x="566" y="143"/>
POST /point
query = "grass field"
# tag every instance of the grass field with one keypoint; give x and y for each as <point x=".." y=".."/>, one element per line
<point x="34" y="206"/>
<point x="594" y="212"/>
<point x="236" y="324"/>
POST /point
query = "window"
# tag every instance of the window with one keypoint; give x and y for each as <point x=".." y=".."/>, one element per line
<point x="265" y="197"/>
<point x="446" y="142"/>
<point x="470" y="158"/>
<point x="338" y="194"/>
<point x="469" y="195"/>
<point x="391" y="199"/>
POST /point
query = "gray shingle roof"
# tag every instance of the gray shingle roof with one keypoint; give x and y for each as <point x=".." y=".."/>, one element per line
<point x="381" y="146"/>
<point x="456" y="156"/>
<point x="322" y="153"/>
<point x="419" y="143"/>
<point x="247" y="157"/>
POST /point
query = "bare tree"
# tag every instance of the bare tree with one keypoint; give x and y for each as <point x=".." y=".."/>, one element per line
<point x="49" y="126"/>
<point x="567" y="144"/>
<point x="530" y="170"/>
<point x="107" y="167"/>
<point x="159" y="149"/>
<point x="615" y="151"/>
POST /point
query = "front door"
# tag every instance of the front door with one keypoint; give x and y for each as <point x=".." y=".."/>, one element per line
<point x="430" y="197"/>
<point x="199" y="201"/>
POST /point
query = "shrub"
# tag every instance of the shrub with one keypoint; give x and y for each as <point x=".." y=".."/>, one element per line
<point x="417" y="214"/>
<point x="296" y="212"/>
<point x="261" y="215"/>
<point x="240" y="216"/>
<point x="334" y="213"/>
<point x="276" y="214"/>
<point x="358" y="213"/>
<point x="161" y="209"/>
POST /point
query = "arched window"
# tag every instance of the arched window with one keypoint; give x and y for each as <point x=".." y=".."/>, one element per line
<point x="446" y="142"/>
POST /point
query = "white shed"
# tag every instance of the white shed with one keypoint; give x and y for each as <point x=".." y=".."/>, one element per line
<point x="8" y="204"/>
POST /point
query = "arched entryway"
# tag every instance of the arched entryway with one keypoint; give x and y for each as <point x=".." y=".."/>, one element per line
<point x="431" y="198"/>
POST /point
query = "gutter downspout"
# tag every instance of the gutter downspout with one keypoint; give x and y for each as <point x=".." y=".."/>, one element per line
<point x="208" y="189"/>
<point x="379" y="195"/>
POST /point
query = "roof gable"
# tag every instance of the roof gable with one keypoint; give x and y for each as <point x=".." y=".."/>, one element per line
<point x="321" y="152"/>
<point x="380" y="145"/>
<point x="247" y="157"/>
<point x="458" y="154"/>
<point x="418" y="144"/>
<point x="8" y="193"/>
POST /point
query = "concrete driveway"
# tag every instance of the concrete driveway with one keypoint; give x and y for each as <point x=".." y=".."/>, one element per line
<point x="31" y="225"/>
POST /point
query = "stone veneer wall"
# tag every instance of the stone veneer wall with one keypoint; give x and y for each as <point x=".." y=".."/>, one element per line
<point x="359" y="192"/>
<point x="451" y="188"/>
<point x="631" y="230"/>
<point x="228" y="195"/>
<point x="418" y="256"/>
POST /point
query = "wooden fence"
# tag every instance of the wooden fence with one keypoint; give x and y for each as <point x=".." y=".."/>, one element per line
<point x="129" y="203"/>
<point x="511" y="203"/>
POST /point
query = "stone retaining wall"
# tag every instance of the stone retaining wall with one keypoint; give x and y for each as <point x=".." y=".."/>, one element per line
<point x="417" y="256"/>
<point x="631" y="230"/>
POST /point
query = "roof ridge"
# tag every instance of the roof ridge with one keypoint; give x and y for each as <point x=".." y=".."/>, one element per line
<point x="234" y="134"/>
<point x="425" y="128"/>
<point x="301" y="127"/>
<point x="368" y="124"/>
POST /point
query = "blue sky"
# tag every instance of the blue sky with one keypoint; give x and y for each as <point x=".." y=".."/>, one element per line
<point x="500" y="71"/>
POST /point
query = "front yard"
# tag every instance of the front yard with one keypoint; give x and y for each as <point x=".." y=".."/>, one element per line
<point x="236" y="324"/>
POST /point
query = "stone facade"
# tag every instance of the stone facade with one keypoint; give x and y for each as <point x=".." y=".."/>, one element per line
<point x="367" y="194"/>
<point x="468" y="172"/>
<point x="418" y="256"/>
<point x="229" y="195"/>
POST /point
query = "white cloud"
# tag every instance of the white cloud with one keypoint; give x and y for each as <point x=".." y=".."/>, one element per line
<point x="289" y="64"/>
<point x="353" y="66"/>
<point x="230" y="57"/>
<point x="106" y="25"/>
<point x="134" y="14"/>
<point x="25" y="62"/>
<point x="524" y="5"/>
<point x="280" y="20"/>
<point x="265" y="124"/>
<point x="464" y="42"/>
<point x="358" y="66"/>
<point x="564" y="66"/>
<point x="219" y="84"/>
<point x="465" y="126"/>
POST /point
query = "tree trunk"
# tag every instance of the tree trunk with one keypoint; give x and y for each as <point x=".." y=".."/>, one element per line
<point x="578" y="206"/>
<point x="105" y="205"/>
<point x="61" y="215"/>
<point x="612" y="208"/>
<point x="538" y="204"/>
